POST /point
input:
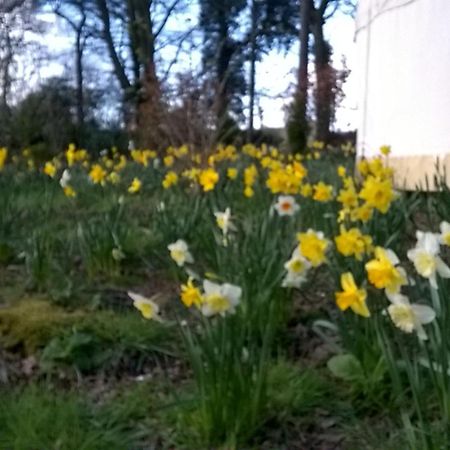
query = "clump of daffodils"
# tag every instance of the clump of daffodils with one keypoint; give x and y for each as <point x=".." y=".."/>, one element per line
<point x="214" y="299"/>
<point x="353" y="243"/>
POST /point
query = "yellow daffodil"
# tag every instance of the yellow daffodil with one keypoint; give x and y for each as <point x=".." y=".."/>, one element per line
<point x="208" y="179"/>
<point x="351" y="296"/>
<point x="385" y="150"/>
<point x="135" y="186"/>
<point x="363" y="213"/>
<point x="169" y="161"/>
<point x="249" y="192"/>
<point x="313" y="246"/>
<point x="323" y="192"/>
<point x="306" y="190"/>
<point x="170" y="179"/>
<point x="69" y="191"/>
<point x="348" y="197"/>
<point x="377" y="193"/>
<point x="50" y="169"/>
<point x="190" y="294"/>
<point x="342" y="171"/>
<point x="444" y="237"/>
<point x="383" y="272"/>
<point x="250" y="174"/>
<point x="232" y="173"/>
<point x="97" y="174"/>
<point x="3" y="157"/>
<point x="352" y="243"/>
<point x="113" y="177"/>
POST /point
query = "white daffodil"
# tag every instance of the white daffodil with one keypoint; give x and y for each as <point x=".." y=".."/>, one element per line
<point x="147" y="307"/>
<point x="425" y="257"/>
<point x="286" y="205"/>
<point x="223" y="220"/>
<point x="410" y="317"/>
<point x="297" y="268"/>
<point x="220" y="298"/>
<point x="65" y="178"/>
<point x="444" y="237"/>
<point x="179" y="252"/>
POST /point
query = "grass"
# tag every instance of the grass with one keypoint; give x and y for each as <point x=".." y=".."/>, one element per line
<point x="39" y="418"/>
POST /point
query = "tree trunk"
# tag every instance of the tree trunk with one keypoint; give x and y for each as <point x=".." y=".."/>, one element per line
<point x="324" y="82"/>
<point x="303" y="82"/>
<point x="252" y="81"/>
<point x="149" y="107"/>
<point x="79" y="76"/>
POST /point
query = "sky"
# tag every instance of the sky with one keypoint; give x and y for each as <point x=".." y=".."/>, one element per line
<point x="275" y="77"/>
<point x="276" y="73"/>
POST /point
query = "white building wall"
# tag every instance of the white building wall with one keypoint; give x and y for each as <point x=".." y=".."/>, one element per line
<point x="404" y="83"/>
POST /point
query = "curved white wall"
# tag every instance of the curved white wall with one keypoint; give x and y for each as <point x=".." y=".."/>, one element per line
<point x="404" y="78"/>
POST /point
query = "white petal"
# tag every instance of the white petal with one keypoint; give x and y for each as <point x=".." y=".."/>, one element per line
<point x="430" y="243"/>
<point x="211" y="288"/>
<point x="425" y="314"/>
<point x="231" y="292"/>
<point x="421" y="334"/>
<point x="444" y="227"/>
<point x="136" y="297"/>
<point x="433" y="281"/>
<point x="397" y="298"/>
<point x="392" y="257"/>
<point x="412" y="254"/>
<point x="206" y="310"/>
<point x="442" y="268"/>
<point x="188" y="257"/>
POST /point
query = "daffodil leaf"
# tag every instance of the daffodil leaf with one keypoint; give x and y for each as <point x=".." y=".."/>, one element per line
<point x="346" y="366"/>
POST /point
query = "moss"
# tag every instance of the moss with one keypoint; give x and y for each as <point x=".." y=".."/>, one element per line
<point x="32" y="323"/>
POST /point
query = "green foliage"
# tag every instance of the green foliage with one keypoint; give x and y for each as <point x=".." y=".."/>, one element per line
<point x="85" y="340"/>
<point x="302" y="390"/>
<point x="32" y="323"/>
<point x="39" y="418"/>
<point x="297" y="128"/>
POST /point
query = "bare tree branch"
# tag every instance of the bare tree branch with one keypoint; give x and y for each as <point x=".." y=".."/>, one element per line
<point x="163" y="23"/>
